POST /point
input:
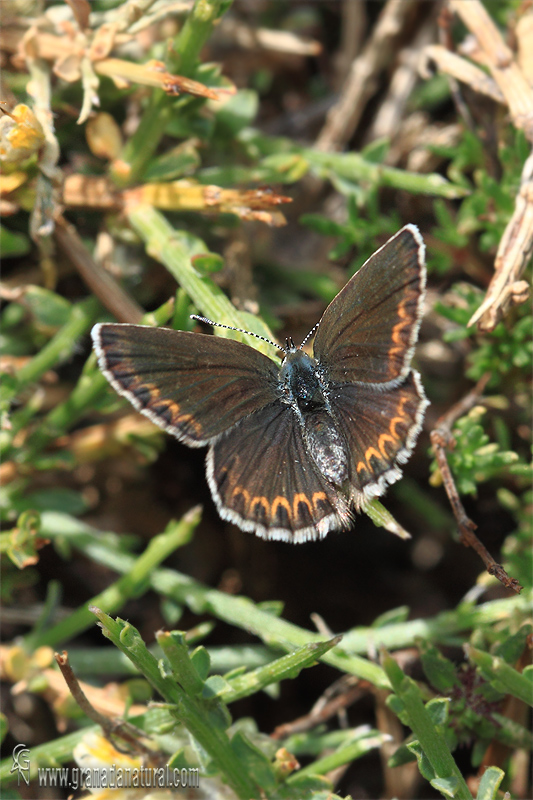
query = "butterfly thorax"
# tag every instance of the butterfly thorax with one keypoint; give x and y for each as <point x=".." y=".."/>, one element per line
<point x="300" y="381"/>
<point x="304" y="390"/>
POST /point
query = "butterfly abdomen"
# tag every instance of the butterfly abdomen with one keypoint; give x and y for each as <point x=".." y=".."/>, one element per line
<point x="327" y="446"/>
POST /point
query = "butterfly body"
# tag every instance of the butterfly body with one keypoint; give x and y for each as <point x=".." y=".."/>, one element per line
<point x="306" y="390"/>
<point x="293" y="449"/>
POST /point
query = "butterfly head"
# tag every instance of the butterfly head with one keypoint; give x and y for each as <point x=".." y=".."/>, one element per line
<point x="290" y="347"/>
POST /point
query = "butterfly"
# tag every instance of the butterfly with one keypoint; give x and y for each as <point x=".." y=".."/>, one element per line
<point x="294" y="449"/>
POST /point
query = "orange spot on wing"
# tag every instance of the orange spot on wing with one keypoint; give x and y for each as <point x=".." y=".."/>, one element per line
<point x="371" y="451"/>
<point x="383" y="439"/>
<point x="240" y="490"/>
<point x="260" y="501"/>
<point x="406" y="319"/>
<point x="317" y="497"/>
<point x="301" y="498"/>
<point x="152" y="388"/>
<point x="280" y="501"/>
<point x="398" y="420"/>
<point x="188" y="419"/>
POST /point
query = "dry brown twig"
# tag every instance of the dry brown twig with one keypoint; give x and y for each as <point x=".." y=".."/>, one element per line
<point x="507" y="85"/>
<point x="462" y="70"/>
<point x="500" y="61"/>
<point x="85" y="52"/>
<point x="514" y="252"/>
<point x="359" y="86"/>
<point x="268" y="39"/>
<point x="442" y="439"/>
<point x="392" y="109"/>
<point x="111" y="294"/>
<point x="353" y="33"/>
<point x="112" y="728"/>
<point x="340" y="696"/>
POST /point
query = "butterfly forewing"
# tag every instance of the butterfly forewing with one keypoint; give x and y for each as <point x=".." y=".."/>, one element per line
<point x="262" y="479"/>
<point x="368" y="331"/>
<point x="193" y="385"/>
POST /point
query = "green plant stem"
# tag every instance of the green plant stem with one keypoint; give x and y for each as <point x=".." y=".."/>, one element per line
<point x="194" y="34"/>
<point x="134" y="583"/>
<point x="238" y="611"/>
<point x="285" y="161"/>
<point x="502" y="676"/>
<point x="279" y="669"/>
<point x="97" y="661"/>
<point x="175" y="649"/>
<point x="163" y="242"/>
<point x="431" y="740"/>
<point x="440" y="628"/>
<point x="190" y="712"/>
<point x="141" y="147"/>
<point x="216" y="743"/>
<point x="344" y="755"/>
<point x="355" y="168"/>
<point x="278" y="633"/>
<point x="57" y="350"/>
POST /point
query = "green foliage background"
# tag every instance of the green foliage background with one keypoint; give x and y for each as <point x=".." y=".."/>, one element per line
<point x="54" y="394"/>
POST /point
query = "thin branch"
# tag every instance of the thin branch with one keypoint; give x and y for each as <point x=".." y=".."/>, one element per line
<point x="360" y="84"/>
<point x="441" y="440"/>
<point x="97" y="279"/>
<point x="111" y="728"/>
<point x="500" y="61"/>
<point x="514" y="253"/>
<point x="461" y="70"/>
<point x="353" y="689"/>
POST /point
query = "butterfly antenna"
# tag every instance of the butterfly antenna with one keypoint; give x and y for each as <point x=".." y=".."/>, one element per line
<point x="313" y="329"/>
<point x="239" y="330"/>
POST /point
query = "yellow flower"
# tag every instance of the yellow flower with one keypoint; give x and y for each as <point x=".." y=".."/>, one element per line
<point x="21" y="134"/>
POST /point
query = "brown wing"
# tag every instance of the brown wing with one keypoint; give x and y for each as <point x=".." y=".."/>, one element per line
<point x="192" y="385"/>
<point x="263" y="480"/>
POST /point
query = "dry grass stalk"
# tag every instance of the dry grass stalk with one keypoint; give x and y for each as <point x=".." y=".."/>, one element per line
<point x="360" y="84"/>
<point x="514" y="253"/>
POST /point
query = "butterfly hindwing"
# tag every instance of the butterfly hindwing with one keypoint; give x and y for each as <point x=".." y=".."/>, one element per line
<point x="263" y="479"/>
<point x="368" y="331"/>
<point x="380" y="429"/>
<point x="193" y="385"/>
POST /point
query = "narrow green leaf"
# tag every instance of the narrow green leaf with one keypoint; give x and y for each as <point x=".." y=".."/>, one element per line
<point x="430" y="738"/>
<point x="202" y="662"/>
<point x="501" y="675"/>
<point x="424" y="764"/>
<point x="447" y="786"/>
<point x="490" y="784"/>
<point x="253" y="761"/>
